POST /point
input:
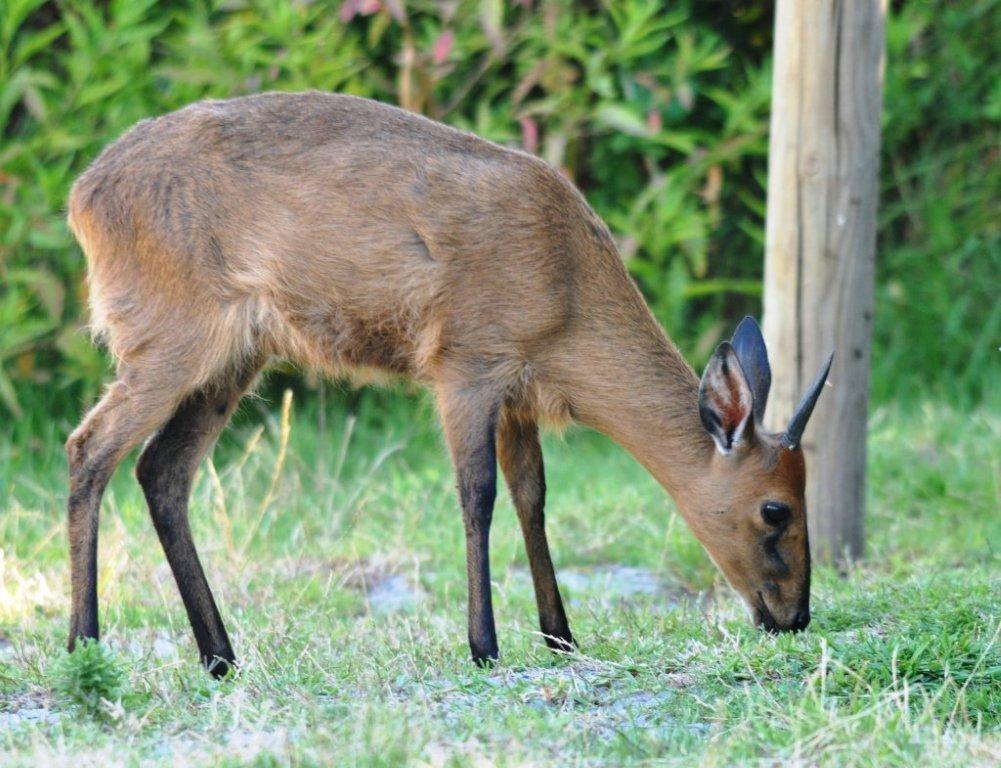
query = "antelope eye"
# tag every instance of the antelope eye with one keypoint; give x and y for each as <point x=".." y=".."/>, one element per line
<point x="775" y="513"/>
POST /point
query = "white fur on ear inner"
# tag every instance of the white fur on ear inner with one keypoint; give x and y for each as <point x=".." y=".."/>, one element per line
<point x="726" y="442"/>
<point x="735" y="438"/>
<point x="725" y="399"/>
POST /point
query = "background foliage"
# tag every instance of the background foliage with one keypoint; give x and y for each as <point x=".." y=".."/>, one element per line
<point x="659" y="111"/>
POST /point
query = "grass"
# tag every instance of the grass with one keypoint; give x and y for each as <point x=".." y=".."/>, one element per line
<point x="335" y="548"/>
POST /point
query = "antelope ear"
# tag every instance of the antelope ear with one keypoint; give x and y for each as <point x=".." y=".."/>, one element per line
<point x="749" y="345"/>
<point x="725" y="401"/>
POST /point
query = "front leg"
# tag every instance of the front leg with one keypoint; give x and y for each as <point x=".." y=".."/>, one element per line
<point x="521" y="460"/>
<point x="469" y="415"/>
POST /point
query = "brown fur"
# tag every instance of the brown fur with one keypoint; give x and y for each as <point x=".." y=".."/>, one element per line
<point x="347" y="235"/>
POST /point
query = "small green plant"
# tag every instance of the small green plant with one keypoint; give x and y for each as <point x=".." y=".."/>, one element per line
<point x="89" y="676"/>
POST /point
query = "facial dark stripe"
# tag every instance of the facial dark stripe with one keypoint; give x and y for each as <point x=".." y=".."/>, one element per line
<point x="768" y="543"/>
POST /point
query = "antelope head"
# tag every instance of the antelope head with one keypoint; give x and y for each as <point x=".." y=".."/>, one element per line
<point x="752" y="515"/>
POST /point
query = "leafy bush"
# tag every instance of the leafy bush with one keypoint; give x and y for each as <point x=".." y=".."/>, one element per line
<point x="658" y="111"/>
<point x="939" y="254"/>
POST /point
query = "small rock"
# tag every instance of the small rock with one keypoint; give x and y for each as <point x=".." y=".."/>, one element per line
<point x="613" y="581"/>
<point x="393" y="594"/>
<point x="164" y="648"/>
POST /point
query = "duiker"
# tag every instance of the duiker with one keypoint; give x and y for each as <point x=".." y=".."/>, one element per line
<point x="344" y="234"/>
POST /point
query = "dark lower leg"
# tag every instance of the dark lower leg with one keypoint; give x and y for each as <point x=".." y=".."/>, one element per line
<point x="470" y="427"/>
<point x="482" y="632"/>
<point x="552" y="616"/>
<point x="477" y="475"/>
<point x="213" y="642"/>
<point x="521" y="460"/>
<point x="86" y="488"/>
<point x="165" y="471"/>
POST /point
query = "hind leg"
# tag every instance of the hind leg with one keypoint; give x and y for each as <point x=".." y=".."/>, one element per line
<point x="165" y="471"/>
<point x="131" y="409"/>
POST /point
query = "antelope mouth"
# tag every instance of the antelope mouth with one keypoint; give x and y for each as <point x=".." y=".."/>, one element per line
<point x="763" y="617"/>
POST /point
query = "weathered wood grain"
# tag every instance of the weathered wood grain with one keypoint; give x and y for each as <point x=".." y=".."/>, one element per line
<point x="820" y="244"/>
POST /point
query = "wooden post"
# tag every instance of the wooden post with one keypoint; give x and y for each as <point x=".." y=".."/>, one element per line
<point x="820" y="242"/>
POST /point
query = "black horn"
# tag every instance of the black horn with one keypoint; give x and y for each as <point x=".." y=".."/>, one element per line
<point x="752" y="355"/>
<point x="794" y="432"/>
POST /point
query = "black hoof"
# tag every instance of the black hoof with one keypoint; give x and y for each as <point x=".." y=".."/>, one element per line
<point x="484" y="655"/>
<point x="561" y="643"/>
<point x="220" y="667"/>
<point x="485" y="662"/>
<point x="484" y="649"/>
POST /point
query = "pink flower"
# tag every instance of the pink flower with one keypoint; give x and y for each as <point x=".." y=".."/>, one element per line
<point x="529" y="134"/>
<point x="395" y="8"/>
<point x="654" y="121"/>
<point x="443" y="46"/>
<point x="352" y="8"/>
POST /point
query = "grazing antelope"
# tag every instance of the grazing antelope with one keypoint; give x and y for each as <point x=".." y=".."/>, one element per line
<point x="344" y="234"/>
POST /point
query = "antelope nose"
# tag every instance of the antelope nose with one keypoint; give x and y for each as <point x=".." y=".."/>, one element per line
<point x="801" y="620"/>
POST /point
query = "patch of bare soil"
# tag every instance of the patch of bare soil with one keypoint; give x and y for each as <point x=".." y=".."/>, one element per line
<point x="613" y="584"/>
<point x="603" y="698"/>
<point x="237" y="745"/>
<point x="388" y="587"/>
<point x="28" y="709"/>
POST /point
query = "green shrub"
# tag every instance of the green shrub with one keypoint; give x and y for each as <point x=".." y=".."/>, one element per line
<point x="659" y="111"/>
<point x="939" y="254"/>
<point x="89" y="676"/>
